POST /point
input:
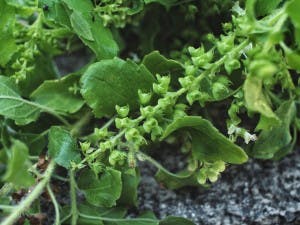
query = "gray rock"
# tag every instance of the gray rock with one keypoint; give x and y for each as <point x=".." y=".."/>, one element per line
<point x="259" y="192"/>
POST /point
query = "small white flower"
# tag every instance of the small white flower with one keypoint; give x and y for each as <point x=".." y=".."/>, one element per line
<point x="231" y="129"/>
<point x="249" y="137"/>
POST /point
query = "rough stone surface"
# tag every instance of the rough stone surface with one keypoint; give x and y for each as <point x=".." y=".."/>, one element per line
<point x="259" y="192"/>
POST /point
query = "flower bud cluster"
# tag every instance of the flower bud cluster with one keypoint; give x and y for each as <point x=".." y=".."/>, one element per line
<point x="113" y="12"/>
<point x="210" y="171"/>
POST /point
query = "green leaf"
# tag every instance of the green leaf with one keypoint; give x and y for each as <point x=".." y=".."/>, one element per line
<point x="264" y="7"/>
<point x="7" y="42"/>
<point x="118" y="212"/>
<point x="103" y="191"/>
<point x="14" y="107"/>
<point x="207" y="142"/>
<point x="178" y="180"/>
<point x="81" y="26"/>
<point x="255" y="99"/>
<point x="158" y="64"/>
<point x="271" y="141"/>
<point x="62" y="147"/>
<point x="56" y="12"/>
<point x="293" y="11"/>
<point x="18" y="165"/>
<point x="98" y="37"/>
<point x="130" y="182"/>
<point x="108" y="83"/>
<point x="173" y="220"/>
<point x="293" y="59"/>
<point x="56" y="94"/>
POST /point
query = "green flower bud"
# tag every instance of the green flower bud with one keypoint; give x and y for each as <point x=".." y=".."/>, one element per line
<point x="211" y="38"/>
<point x="193" y="96"/>
<point x="97" y="167"/>
<point x="150" y="124"/>
<point x="144" y="97"/>
<point x="123" y="123"/>
<point x="190" y="70"/>
<point x="203" y="60"/>
<point x="122" y="111"/>
<point x="147" y="111"/>
<point x="164" y="80"/>
<point x="101" y="133"/>
<point x="201" y="176"/>
<point x="219" y="90"/>
<point x="156" y="132"/>
<point x="179" y="111"/>
<point x="159" y="89"/>
<point x="132" y="134"/>
<point x="212" y="175"/>
<point x="225" y="44"/>
<point x="164" y="103"/>
<point x="231" y="65"/>
<point x="106" y="145"/>
<point x="117" y="157"/>
<point x="85" y="146"/>
<point x="195" y="52"/>
<point x="186" y="82"/>
<point x="219" y="166"/>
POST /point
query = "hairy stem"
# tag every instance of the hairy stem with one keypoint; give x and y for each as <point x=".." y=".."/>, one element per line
<point x="36" y="192"/>
<point x="55" y="204"/>
<point x="74" y="210"/>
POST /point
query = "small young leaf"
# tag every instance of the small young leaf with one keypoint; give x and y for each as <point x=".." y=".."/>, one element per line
<point x="98" y="38"/>
<point x="18" y="165"/>
<point x="108" y="83"/>
<point x="103" y="191"/>
<point x="207" y="142"/>
<point x="255" y="99"/>
<point x="81" y="26"/>
<point x="62" y="147"/>
<point x="271" y="141"/>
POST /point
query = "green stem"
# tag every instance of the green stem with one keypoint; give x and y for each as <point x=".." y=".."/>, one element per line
<point x="159" y="166"/>
<point x="36" y="192"/>
<point x="74" y="210"/>
<point x="76" y="130"/>
<point x="38" y="106"/>
<point x="118" y="220"/>
<point x="55" y="204"/>
<point x="7" y="207"/>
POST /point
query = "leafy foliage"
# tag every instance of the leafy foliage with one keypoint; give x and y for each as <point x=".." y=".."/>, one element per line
<point x="220" y="90"/>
